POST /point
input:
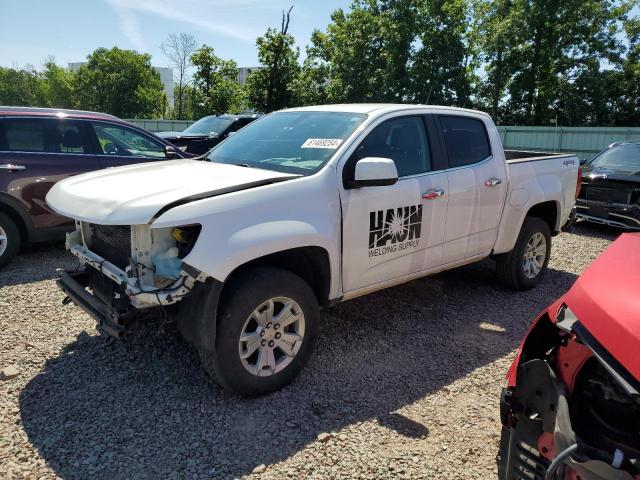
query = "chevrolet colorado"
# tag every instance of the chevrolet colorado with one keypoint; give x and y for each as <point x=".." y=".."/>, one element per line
<point x="301" y="209"/>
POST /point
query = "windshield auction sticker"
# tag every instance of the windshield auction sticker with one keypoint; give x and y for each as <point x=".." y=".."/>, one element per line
<point x="332" y="143"/>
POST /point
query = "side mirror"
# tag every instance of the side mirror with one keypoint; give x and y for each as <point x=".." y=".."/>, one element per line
<point x="583" y="161"/>
<point x="170" y="152"/>
<point x="374" y="172"/>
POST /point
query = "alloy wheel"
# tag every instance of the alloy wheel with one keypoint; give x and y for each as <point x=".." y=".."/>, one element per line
<point x="3" y="241"/>
<point x="272" y="336"/>
<point x="535" y="254"/>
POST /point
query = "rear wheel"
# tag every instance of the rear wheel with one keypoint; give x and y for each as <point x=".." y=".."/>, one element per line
<point x="9" y="239"/>
<point x="266" y="331"/>
<point x="524" y="267"/>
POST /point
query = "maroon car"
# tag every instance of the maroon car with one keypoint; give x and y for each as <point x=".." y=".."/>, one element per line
<point x="40" y="146"/>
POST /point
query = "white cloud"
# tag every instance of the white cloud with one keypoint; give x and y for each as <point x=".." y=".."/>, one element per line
<point x="129" y="24"/>
<point x="229" y="18"/>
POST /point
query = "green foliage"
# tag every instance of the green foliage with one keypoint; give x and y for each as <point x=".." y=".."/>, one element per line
<point x="120" y="82"/>
<point x="442" y="68"/>
<point x="524" y="61"/>
<point x="544" y="48"/>
<point x="58" y="86"/>
<point x="21" y="87"/>
<point x="274" y="86"/>
<point x="215" y="87"/>
<point x="366" y="51"/>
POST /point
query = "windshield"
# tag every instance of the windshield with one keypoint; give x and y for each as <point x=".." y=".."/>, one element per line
<point x="623" y="157"/>
<point x="208" y="126"/>
<point x="290" y="142"/>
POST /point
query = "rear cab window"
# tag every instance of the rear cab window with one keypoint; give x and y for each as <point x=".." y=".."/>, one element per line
<point x="43" y="135"/>
<point x="466" y="140"/>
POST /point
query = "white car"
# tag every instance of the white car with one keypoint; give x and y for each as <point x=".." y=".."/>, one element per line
<point x="301" y="209"/>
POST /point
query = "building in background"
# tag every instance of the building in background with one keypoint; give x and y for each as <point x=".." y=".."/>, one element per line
<point x="243" y="73"/>
<point x="166" y="77"/>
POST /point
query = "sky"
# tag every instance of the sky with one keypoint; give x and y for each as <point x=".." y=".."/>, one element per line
<point x="68" y="30"/>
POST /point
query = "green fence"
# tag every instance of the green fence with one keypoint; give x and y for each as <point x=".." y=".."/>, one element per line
<point x="162" y="125"/>
<point x="583" y="141"/>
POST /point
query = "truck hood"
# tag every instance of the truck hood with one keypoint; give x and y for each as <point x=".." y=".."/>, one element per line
<point x="135" y="194"/>
<point x="606" y="300"/>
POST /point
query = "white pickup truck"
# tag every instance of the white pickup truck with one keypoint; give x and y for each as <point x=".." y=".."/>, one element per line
<point x="301" y="209"/>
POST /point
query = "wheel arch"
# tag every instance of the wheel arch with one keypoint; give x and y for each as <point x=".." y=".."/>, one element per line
<point x="9" y="207"/>
<point x="311" y="263"/>
<point x="548" y="211"/>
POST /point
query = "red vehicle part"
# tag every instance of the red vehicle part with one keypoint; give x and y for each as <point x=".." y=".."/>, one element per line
<point x="575" y="380"/>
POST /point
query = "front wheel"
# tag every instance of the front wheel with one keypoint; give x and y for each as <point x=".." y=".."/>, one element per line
<point x="9" y="239"/>
<point x="523" y="267"/>
<point x="266" y="331"/>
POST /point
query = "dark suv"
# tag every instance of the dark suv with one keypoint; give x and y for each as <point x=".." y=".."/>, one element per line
<point x="40" y="146"/>
<point x="207" y="132"/>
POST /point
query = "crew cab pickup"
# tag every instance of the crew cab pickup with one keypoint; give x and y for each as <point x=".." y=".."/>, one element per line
<point x="301" y="209"/>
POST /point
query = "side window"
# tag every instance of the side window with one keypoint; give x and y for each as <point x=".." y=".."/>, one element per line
<point x="24" y="134"/>
<point x="466" y="140"/>
<point x="403" y="140"/>
<point x="67" y="136"/>
<point x="122" y="141"/>
<point x="237" y="125"/>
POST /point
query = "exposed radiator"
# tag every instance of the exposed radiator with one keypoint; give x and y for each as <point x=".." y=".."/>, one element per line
<point x="113" y="242"/>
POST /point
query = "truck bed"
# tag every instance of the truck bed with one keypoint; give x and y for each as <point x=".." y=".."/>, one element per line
<point x="517" y="156"/>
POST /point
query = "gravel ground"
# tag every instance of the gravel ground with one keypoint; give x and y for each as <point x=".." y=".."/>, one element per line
<point x="404" y="383"/>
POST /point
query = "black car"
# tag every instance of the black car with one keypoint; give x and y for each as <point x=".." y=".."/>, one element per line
<point x="207" y="132"/>
<point x="610" y="191"/>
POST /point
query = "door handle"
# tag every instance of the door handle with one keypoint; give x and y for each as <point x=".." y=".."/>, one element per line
<point x="493" y="182"/>
<point x="433" y="194"/>
<point x="12" y="168"/>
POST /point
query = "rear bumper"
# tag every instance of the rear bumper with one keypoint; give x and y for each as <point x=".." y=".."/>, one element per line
<point x="74" y="286"/>
<point x="613" y="214"/>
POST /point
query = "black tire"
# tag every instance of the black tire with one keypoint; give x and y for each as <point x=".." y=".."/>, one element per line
<point x="242" y="296"/>
<point x="12" y="245"/>
<point x="510" y="266"/>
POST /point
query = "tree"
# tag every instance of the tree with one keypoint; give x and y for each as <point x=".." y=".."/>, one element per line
<point x="120" y="82"/>
<point x="178" y="49"/>
<point x="442" y="68"/>
<point x="217" y="90"/>
<point x="629" y="99"/>
<point x="309" y="87"/>
<point x="367" y="51"/>
<point x="58" y="85"/>
<point x="271" y="88"/>
<point x="21" y="87"/>
<point x="542" y="47"/>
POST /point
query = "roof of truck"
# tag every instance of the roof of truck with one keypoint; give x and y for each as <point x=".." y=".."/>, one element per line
<point x="380" y="108"/>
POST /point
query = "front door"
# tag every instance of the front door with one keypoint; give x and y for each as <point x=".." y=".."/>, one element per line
<point x="119" y="145"/>
<point x="393" y="231"/>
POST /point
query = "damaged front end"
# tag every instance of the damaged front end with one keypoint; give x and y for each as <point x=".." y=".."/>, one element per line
<point x="571" y="411"/>
<point x="128" y="269"/>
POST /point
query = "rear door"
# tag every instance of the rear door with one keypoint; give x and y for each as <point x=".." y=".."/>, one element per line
<point x="35" y="153"/>
<point x="477" y="186"/>
<point x="119" y="144"/>
<point x="390" y="232"/>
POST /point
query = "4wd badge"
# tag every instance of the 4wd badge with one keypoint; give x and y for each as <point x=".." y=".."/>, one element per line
<point x="394" y="229"/>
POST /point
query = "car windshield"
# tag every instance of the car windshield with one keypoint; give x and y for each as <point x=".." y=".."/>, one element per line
<point x="292" y="142"/>
<point x="625" y="156"/>
<point x="208" y="126"/>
